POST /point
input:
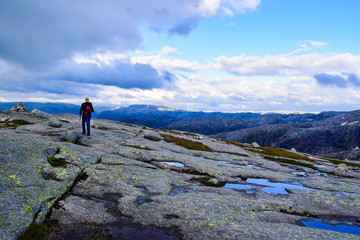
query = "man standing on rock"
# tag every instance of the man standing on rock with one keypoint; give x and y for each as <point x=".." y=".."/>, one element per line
<point x="86" y="109"/>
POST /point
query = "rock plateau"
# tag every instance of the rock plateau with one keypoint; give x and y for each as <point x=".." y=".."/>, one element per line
<point x="130" y="182"/>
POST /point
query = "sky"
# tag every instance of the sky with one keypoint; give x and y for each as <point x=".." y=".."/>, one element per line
<point x="208" y="55"/>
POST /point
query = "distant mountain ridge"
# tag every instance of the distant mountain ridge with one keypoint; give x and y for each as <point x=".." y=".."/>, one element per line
<point x="205" y="122"/>
<point x="328" y="136"/>
<point x="52" y="108"/>
<point x="323" y="133"/>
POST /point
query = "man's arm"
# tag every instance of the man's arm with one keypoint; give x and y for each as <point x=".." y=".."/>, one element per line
<point x="81" y="109"/>
<point x="92" y="109"/>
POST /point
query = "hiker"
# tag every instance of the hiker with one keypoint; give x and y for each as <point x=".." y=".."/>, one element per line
<point x="86" y="109"/>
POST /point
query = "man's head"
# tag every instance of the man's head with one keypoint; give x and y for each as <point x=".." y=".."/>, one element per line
<point x="86" y="99"/>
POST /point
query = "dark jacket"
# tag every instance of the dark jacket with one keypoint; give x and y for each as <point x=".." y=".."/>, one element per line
<point x="86" y="109"/>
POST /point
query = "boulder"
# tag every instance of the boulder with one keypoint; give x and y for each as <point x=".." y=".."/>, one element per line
<point x="41" y="114"/>
<point x="53" y="122"/>
<point x="255" y="145"/>
<point x="341" y="170"/>
<point x="152" y="135"/>
<point x="293" y="150"/>
<point x="72" y="136"/>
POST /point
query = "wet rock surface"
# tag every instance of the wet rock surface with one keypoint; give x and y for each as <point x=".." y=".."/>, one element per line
<point x="120" y="183"/>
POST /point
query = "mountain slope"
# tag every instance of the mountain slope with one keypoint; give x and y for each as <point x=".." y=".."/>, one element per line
<point x="338" y="133"/>
<point x="204" y="122"/>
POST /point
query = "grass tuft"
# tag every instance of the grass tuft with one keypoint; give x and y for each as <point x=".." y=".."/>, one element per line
<point x="207" y="181"/>
<point x="83" y="176"/>
<point x="36" y="231"/>
<point x="192" y="145"/>
<point x="289" y="161"/>
<point x="13" y="124"/>
<point x="56" y="162"/>
<point x="336" y="161"/>
<point x="283" y="153"/>
<point x="140" y="147"/>
<point x="232" y="142"/>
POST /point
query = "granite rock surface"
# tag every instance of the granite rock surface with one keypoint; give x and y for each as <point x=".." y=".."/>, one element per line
<point x="127" y="182"/>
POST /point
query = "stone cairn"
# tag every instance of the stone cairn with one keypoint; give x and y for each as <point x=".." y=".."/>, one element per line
<point x="20" y="107"/>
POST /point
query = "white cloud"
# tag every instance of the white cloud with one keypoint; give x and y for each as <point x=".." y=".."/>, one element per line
<point x="209" y="8"/>
<point x="243" y="5"/>
<point x="270" y="65"/>
<point x="168" y="50"/>
<point x="278" y="82"/>
<point x="317" y="44"/>
<point x="283" y="65"/>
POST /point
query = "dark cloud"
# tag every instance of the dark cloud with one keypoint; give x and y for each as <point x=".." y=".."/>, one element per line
<point x="185" y="27"/>
<point x="65" y="88"/>
<point x="341" y="81"/>
<point x="120" y="74"/>
<point x="38" y="34"/>
<point x="354" y="79"/>
<point x="37" y="85"/>
<point x="84" y="78"/>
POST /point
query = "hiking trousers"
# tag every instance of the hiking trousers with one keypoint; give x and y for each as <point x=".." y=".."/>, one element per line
<point x="86" y="119"/>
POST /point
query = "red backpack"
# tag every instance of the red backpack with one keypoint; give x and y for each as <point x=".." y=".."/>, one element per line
<point x="87" y="111"/>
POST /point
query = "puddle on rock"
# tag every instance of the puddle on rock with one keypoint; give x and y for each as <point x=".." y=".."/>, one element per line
<point x="255" y="166"/>
<point x="178" y="190"/>
<point x="142" y="189"/>
<point x="123" y="228"/>
<point x="141" y="200"/>
<point x="237" y="186"/>
<point x="323" y="174"/>
<point x="175" y="164"/>
<point x="348" y="226"/>
<point x="226" y="162"/>
<point x="276" y="188"/>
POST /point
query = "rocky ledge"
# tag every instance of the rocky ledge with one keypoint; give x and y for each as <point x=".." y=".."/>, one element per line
<point x="131" y="182"/>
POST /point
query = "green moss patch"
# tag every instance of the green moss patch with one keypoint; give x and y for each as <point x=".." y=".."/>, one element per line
<point x="35" y="231"/>
<point x="180" y="133"/>
<point x="140" y="147"/>
<point x="194" y="172"/>
<point x="192" y="145"/>
<point x="277" y="152"/>
<point x="232" y="142"/>
<point x="13" y="124"/>
<point x="207" y="181"/>
<point x="56" y="162"/>
<point x="99" y="127"/>
<point x="336" y="161"/>
<point x="283" y="153"/>
<point x="97" y="235"/>
<point x="83" y="176"/>
<point x="300" y="214"/>
<point x="289" y="161"/>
